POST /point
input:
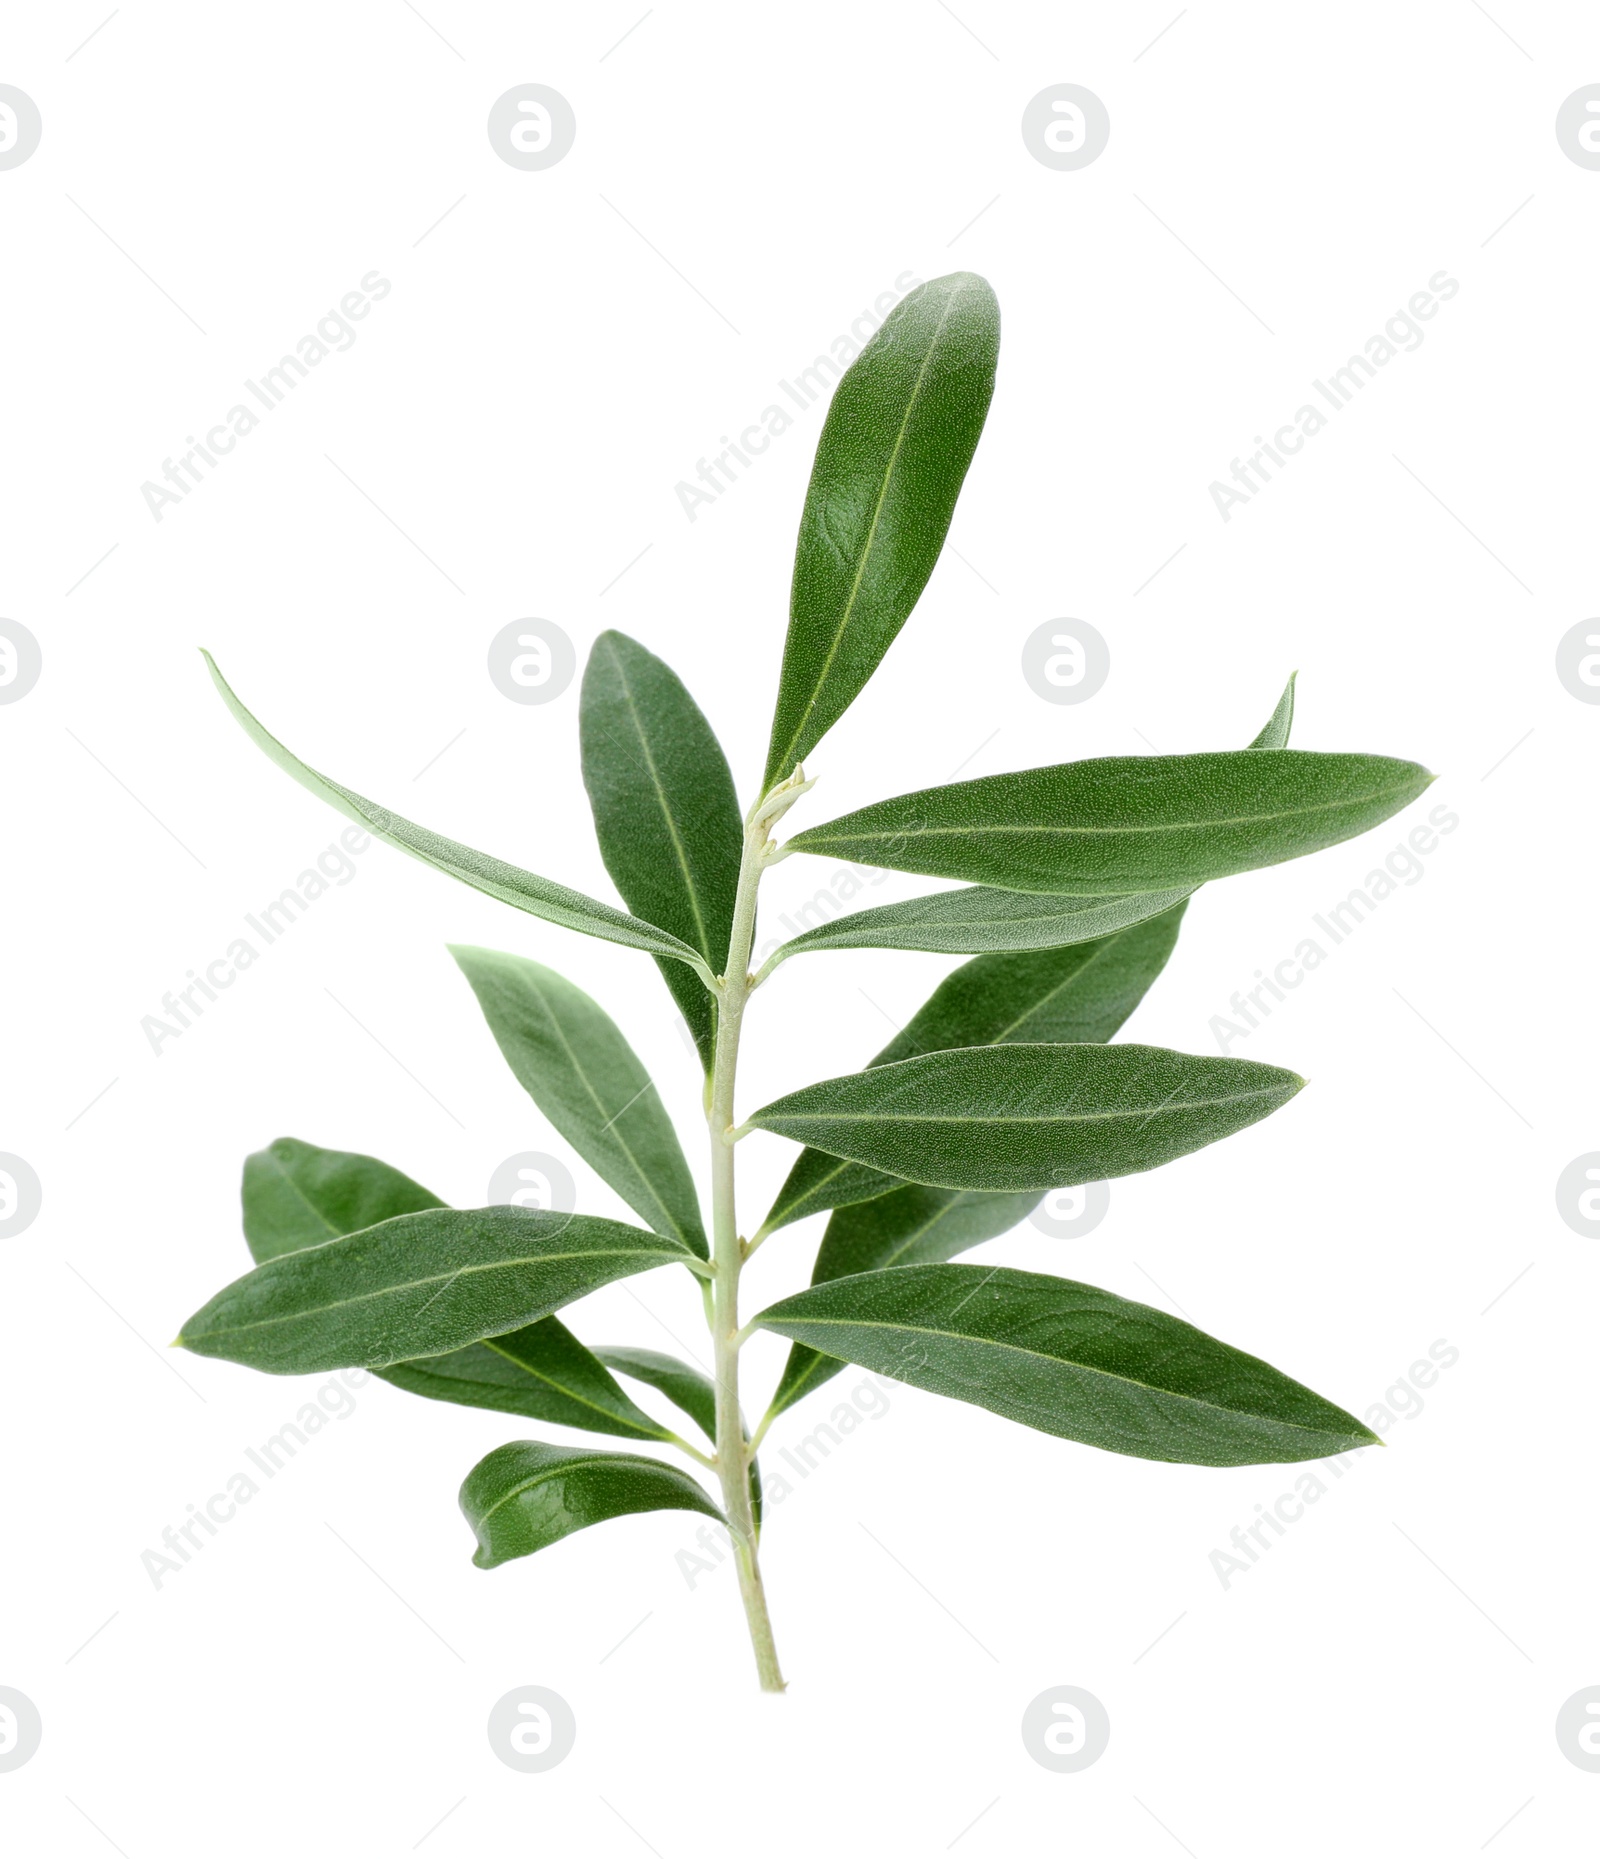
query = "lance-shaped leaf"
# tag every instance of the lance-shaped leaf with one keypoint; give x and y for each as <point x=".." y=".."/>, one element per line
<point x="296" y="1195"/>
<point x="1070" y="1360"/>
<point x="1126" y="822"/>
<point x="895" y="447"/>
<point x="511" y="885"/>
<point x="1081" y="993"/>
<point x="686" y="1388"/>
<point x="912" y="1226"/>
<point x="1015" y="1117"/>
<point x="418" y="1285"/>
<point x="665" y="811"/>
<point x="568" y="1055"/>
<point x="525" y="1496"/>
<point x="981" y="919"/>
<point x="541" y="1371"/>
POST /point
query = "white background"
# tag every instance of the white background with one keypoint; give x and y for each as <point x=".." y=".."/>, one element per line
<point x="554" y="356"/>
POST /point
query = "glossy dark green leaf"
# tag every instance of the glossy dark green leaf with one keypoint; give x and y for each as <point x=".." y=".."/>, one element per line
<point x="511" y="885"/>
<point x="1025" y="1116"/>
<point x="665" y="811"/>
<point x="1081" y="993"/>
<point x="297" y="1195"/>
<point x="895" y="447"/>
<point x="525" y="1496"/>
<point x="1069" y="1360"/>
<point x="1126" y="823"/>
<point x="541" y="1371"/>
<point x="982" y="919"/>
<point x="568" y="1055"/>
<point x="912" y="1226"/>
<point x="686" y="1388"/>
<point x="418" y="1285"/>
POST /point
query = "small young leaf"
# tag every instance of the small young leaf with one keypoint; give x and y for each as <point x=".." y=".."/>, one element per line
<point x="568" y="1055"/>
<point x="1275" y="732"/>
<point x="541" y="1371"/>
<point x="1015" y="1117"/>
<point x="421" y="1284"/>
<point x="1070" y="1360"/>
<point x="894" y="450"/>
<point x="525" y="1496"/>
<point x="665" y="811"/>
<point x="695" y="1394"/>
<point x="511" y="885"/>
<point x="686" y="1388"/>
<point x="1126" y="822"/>
<point x="1081" y="993"/>
<point x="912" y="1226"/>
<point x="298" y="1195"/>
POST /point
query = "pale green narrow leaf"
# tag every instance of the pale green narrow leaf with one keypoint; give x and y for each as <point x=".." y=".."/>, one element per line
<point x="1025" y="1116"/>
<point x="1069" y="1360"/>
<point x="895" y="447"/>
<point x="421" y="1284"/>
<point x="568" y="1055"/>
<point x="297" y="1195"/>
<point x="1081" y="993"/>
<point x="665" y="811"/>
<point x="525" y="1496"/>
<point x="1126" y="823"/>
<point x="982" y="919"/>
<point x="511" y="885"/>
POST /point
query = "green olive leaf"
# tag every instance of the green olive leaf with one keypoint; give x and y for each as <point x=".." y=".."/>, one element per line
<point x="912" y="1226"/>
<point x="900" y="433"/>
<point x="296" y="1195"/>
<point x="665" y="811"/>
<point x="541" y="1372"/>
<point x="1082" y="993"/>
<point x="568" y="1055"/>
<point x="525" y="1496"/>
<point x="1070" y="1360"/>
<point x="511" y="885"/>
<point x="1126" y="823"/>
<point x="420" y="1284"/>
<point x="982" y="919"/>
<point x="1011" y="1117"/>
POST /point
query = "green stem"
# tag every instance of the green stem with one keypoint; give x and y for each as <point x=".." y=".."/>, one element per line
<point x="733" y="1452"/>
